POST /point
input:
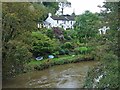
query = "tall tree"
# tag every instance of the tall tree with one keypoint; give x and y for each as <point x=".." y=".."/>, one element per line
<point x="109" y="52"/>
<point x="63" y="5"/>
<point x="18" y="21"/>
<point x="87" y="26"/>
<point x="111" y="17"/>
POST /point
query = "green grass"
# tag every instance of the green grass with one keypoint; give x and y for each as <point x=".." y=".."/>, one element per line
<point x="46" y="63"/>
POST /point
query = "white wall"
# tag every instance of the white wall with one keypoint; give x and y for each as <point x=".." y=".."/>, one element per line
<point x="60" y="23"/>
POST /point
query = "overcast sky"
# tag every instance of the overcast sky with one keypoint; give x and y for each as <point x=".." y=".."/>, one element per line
<point x="79" y="6"/>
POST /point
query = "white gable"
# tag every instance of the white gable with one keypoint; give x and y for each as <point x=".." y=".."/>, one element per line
<point x="51" y="21"/>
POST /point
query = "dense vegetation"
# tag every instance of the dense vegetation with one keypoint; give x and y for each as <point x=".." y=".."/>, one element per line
<point x="23" y="41"/>
<point x="106" y="75"/>
<point x="19" y="20"/>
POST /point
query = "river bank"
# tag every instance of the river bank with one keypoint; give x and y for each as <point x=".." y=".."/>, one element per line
<point x="46" y="63"/>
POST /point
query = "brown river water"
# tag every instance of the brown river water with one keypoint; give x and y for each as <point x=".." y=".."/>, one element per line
<point x="61" y="76"/>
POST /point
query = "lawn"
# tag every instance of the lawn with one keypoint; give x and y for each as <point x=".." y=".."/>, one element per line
<point x="45" y="63"/>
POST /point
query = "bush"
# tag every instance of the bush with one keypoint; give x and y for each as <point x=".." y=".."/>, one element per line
<point x="70" y="34"/>
<point x="17" y="54"/>
<point x="42" y="44"/>
<point x="81" y="50"/>
<point x="62" y="52"/>
<point x="76" y="50"/>
<point x="67" y="51"/>
<point x="50" y="33"/>
<point x="67" y="45"/>
<point x="56" y="53"/>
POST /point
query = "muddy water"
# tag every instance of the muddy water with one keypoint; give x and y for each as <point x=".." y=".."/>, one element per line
<point x="62" y="76"/>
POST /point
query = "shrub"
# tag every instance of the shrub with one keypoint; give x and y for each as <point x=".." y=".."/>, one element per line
<point x="67" y="45"/>
<point x="76" y="50"/>
<point x="70" y="34"/>
<point x="81" y="50"/>
<point x="50" y="33"/>
<point x="67" y="51"/>
<point x="62" y="52"/>
<point x="56" y="53"/>
<point x="42" y="44"/>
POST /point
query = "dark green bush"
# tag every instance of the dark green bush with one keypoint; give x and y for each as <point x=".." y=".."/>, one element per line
<point x="62" y="52"/>
<point x="42" y="44"/>
<point x="81" y="50"/>
<point x="67" y="45"/>
<point x="67" y="51"/>
<point x="56" y="53"/>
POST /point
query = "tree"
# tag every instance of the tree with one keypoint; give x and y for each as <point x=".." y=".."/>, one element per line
<point x="111" y="19"/>
<point x="87" y="26"/>
<point x="42" y="44"/>
<point x="18" y="21"/>
<point x="51" y="6"/>
<point x="108" y="51"/>
<point x="62" y="5"/>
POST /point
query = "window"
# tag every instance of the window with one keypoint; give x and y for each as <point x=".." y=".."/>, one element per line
<point x="64" y="22"/>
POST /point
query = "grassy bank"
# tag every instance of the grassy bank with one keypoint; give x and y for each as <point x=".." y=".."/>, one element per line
<point x="46" y="63"/>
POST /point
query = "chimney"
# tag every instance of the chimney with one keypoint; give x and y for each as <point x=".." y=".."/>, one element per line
<point x="49" y="14"/>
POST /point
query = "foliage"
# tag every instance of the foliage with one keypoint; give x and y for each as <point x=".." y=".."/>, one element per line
<point x="70" y="34"/>
<point x="42" y="44"/>
<point x="62" y="5"/>
<point x="18" y="21"/>
<point x="87" y="26"/>
<point x="106" y="51"/>
<point x="49" y="33"/>
<point x="58" y="32"/>
<point x="67" y="45"/>
<point x="41" y="11"/>
<point x="52" y="6"/>
<point x="81" y="50"/>
<point x="109" y="70"/>
<point x="56" y="53"/>
<point x="62" y="52"/>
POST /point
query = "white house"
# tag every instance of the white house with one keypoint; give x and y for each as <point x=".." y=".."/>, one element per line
<point x="63" y="21"/>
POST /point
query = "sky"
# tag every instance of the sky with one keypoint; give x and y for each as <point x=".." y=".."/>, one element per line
<point x="79" y="6"/>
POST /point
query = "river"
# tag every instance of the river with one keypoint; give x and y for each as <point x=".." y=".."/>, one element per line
<point x="61" y="76"/>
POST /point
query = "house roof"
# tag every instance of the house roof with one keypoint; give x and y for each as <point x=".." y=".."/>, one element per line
<point x="45" y="22"/>
<point x="63" y="17"/>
